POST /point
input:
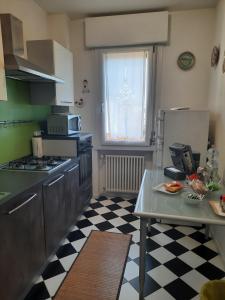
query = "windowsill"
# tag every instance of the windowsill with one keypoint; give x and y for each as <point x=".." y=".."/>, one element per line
<point x="125" y="148"/>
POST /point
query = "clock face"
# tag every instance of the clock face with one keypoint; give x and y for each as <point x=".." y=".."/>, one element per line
<point x="186" y="61"/>
<point x="215" y="56"/>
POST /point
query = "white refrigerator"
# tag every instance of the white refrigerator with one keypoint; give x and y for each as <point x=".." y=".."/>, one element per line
<point x="190" y="127"/>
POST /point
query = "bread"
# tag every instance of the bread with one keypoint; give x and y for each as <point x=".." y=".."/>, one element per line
<point x="173" y="186"/>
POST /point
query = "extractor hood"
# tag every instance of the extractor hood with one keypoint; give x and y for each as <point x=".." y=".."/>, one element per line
<point x="16" y="66"/>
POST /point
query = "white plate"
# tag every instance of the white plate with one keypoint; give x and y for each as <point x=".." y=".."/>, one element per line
<point x="161" y="188"/>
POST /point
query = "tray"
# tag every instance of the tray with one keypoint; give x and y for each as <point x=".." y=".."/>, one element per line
<point x="161" y="188"/>
<point x="217" y="208"/>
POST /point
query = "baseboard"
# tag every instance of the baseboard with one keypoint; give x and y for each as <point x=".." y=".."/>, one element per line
<point x="95" y="196"/>
<point x="119" y="194"/>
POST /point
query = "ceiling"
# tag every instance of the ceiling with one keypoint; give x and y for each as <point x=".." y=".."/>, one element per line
<point x="80" y="8"/>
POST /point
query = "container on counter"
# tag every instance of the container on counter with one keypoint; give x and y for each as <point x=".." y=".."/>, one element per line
<point x="37" y="144"/>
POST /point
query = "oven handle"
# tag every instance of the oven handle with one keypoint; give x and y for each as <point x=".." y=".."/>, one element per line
<point x="73" y="168"/>
<point x="22" y="204"/>
<point x="56" y="180"/>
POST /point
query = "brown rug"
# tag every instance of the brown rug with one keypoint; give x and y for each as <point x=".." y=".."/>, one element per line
<point x="98" y="270"/>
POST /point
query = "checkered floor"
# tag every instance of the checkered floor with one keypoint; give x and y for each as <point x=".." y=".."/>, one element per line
<point x="179" y="259"/>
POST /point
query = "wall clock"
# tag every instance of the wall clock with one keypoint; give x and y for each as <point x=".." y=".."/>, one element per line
<point x="186" y="61"/>
<point x="215" y="56"/>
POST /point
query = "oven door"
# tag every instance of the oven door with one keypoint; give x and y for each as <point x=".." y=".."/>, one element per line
<point x="85" y="178"/>
<point x="85" y="165"/>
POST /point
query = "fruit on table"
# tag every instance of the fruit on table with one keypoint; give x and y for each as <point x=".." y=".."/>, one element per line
<point x="173" y="186"/>
<point x="193" y="177"/>
<point x="222" y="202"/>
<point x="198" y="187"/>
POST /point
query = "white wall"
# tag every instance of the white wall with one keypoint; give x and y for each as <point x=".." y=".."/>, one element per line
<point x="189" y="31"/>
<point x="33" y="16"/>
<point x="59" y="29"/>
<point x="217" y="107"/>
<point x="217" y="87"/>
<point x="86" y="67"/>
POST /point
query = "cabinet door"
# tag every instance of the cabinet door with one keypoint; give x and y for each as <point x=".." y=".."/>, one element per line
<point x="3" y="92"/>
<point x="85" y="177"/>
<point x="63" y="60"/>
<point x="22" y="251"/>
<point x="54" y="212"/>
<point x="72" y="194"/>
<point x="85" y="195"/>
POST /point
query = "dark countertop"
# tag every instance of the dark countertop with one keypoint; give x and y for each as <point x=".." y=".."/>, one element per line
<point x="77" y="136"/>
<point x="16" y="182"/>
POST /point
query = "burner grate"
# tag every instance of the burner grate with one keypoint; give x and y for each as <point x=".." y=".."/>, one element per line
<point x="31" y="163"/>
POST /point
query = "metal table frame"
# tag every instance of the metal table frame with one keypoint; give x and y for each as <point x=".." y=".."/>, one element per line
<point x="146" y="216"/>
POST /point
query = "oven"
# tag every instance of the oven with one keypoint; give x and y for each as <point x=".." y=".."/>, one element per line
<point x="84" y="151"/>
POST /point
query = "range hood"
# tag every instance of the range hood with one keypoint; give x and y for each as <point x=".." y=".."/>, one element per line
<point x="16" y="66"/>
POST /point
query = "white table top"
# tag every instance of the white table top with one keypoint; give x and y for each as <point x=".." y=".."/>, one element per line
<point x="154" y="204"/>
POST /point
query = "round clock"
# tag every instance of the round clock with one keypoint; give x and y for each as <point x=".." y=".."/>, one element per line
<point x="215" y="56"/>
<point x="186" y="61"/>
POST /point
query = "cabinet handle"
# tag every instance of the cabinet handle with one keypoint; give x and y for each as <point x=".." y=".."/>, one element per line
<point x="73" y="168"/>
<point x="53" y="182"/>
<point x="66" y="101"/>
<point x="22" y="204"/>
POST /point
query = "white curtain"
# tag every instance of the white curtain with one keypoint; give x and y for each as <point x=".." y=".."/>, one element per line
<point x="125" y="96"/>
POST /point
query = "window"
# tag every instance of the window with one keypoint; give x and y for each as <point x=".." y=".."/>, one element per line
<point x="126" y="95"/>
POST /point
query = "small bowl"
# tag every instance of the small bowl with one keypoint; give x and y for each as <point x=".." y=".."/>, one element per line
<point x="192" y="198"/>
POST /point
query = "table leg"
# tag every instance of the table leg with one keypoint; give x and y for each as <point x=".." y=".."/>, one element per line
<point x="207" y="231"/>
<point x="149" y="224"/>
<point x="143" y="224"/>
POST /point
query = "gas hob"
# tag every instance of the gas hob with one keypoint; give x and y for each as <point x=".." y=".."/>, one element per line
<point x="46" y="164"/>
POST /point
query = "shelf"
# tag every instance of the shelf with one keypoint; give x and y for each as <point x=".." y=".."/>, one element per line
<point x="13" y="122"/>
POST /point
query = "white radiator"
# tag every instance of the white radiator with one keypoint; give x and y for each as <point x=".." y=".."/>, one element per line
<point x="123" y="173"/>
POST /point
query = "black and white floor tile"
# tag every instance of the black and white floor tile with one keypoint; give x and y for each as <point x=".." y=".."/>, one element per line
<point x="178" y="260"/>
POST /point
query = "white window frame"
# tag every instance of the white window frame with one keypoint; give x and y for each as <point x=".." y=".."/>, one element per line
<point x="150" y="96"/>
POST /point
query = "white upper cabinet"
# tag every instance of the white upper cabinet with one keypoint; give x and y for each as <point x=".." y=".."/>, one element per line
<point x="3" y="91"/>
<point x="63" y="59"/>
<point x="58" y="61"/>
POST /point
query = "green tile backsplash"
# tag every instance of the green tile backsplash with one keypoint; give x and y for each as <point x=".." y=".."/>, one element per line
<point x="15" y="140"/>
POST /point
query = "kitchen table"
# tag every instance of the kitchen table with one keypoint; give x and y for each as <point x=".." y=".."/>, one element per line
<point x="154" y="204"/>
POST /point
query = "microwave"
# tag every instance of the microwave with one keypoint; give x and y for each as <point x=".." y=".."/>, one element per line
<point x="63" y="124"/>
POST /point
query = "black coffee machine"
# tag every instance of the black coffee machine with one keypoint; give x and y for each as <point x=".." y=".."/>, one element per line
<point x="183" y="158"/>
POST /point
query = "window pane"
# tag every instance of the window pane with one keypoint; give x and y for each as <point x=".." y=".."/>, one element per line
<point x="125" y="96"/>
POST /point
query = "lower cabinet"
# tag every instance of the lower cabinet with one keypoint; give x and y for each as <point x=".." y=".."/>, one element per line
<point x="72" y="194"/>
<point x="22" y="251"/>
<point x="54" y="212"/>
<point x="61" y="195"/>
<point x="32" y="226"/>
<point x="85" y="194"/>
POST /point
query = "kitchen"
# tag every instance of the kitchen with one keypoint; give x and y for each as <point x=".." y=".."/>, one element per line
<point x="197" y="29"/>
